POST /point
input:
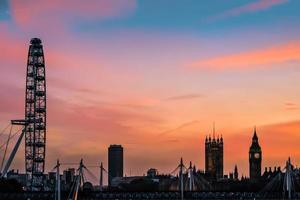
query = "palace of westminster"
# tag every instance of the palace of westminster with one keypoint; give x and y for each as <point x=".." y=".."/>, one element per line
<point x="214" y="158"/>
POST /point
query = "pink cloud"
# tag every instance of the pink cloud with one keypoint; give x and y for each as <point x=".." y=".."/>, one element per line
<point x="49" y="15"/>
<point x="264" y="57"/>
<point x="59" y="58"/>
<point x="248" y="8"/>
<point x="83" y="128"/>
<point x="10" y="47"/>
<point x="13" y="58"/>
<point x="11" y="100"/>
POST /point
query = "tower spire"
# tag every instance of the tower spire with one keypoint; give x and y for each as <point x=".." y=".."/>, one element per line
<point x="255" y="158"/>
<point x="236" y="173"/>
<point x="214" y="130"/>
<point x="254" y="134"/>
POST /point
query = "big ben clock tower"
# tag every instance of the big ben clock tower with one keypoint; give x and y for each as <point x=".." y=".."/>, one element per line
<point x="255" y="158"/>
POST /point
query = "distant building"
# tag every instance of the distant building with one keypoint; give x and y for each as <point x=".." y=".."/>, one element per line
<point x="115" y="162"/>
<point x="230" y="176"/>
<point x="152" y="173"/>
<point x="21" y="178"/>
<point x="214" y="161"/>
<point x="255" y="158"/>
<point x="68" y="176"/>
<point x="51" y="178"/>
<point x="269" y="174"/>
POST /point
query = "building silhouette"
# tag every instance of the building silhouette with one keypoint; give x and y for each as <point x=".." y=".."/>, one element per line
<point x="255" y="158"/>
<point x="69" y="176"/>
<point x="236" y="173"/>
<point x="115" y="162"/>
<point x="214" y="161"/>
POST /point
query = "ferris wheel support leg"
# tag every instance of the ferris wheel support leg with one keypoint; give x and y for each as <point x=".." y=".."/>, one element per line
<point x="12" y="155"/>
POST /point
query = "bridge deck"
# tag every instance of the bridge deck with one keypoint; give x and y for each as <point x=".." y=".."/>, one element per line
<point x="145" y="195"/>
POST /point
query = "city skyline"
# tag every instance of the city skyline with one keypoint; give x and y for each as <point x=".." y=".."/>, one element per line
<point x="154" y="77"/>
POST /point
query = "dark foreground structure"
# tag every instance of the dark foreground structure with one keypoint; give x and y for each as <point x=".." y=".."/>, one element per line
<point x="35" y="115"/>
<point x="146" y="195"/>
<point x="115" y="162"/>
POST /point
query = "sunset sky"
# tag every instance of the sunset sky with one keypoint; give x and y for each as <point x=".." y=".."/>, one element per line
<point x="155" y="75"/>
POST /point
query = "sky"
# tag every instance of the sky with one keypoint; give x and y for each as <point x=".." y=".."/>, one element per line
<point x="154" y="76"/>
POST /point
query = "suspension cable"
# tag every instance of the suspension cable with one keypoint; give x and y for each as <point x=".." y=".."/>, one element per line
<point x="7" y="143"/>
<point x="2" y="132"/>
<point x="91" y="174"/>
<point x="174" y="170"/>
<point x="11" y="137"/>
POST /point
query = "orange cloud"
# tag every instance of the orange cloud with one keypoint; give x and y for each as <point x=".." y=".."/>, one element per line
<point x="265" y="57"/>
<point x="185" y="97"/>
<point x="291" y="106"/>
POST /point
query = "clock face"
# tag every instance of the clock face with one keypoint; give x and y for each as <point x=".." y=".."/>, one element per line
<point x="256" y="155"/>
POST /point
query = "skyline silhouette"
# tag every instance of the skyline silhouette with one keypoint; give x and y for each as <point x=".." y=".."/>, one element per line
<point x="153" y="77"/>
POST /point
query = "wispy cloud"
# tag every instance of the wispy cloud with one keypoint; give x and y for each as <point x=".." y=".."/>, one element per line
<point x="247" y="8"/>
<point x="179" y="128"/>
<point x="184" y="97"/>
<point x="291" y="106"/>
<point x="264" y="57"/>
